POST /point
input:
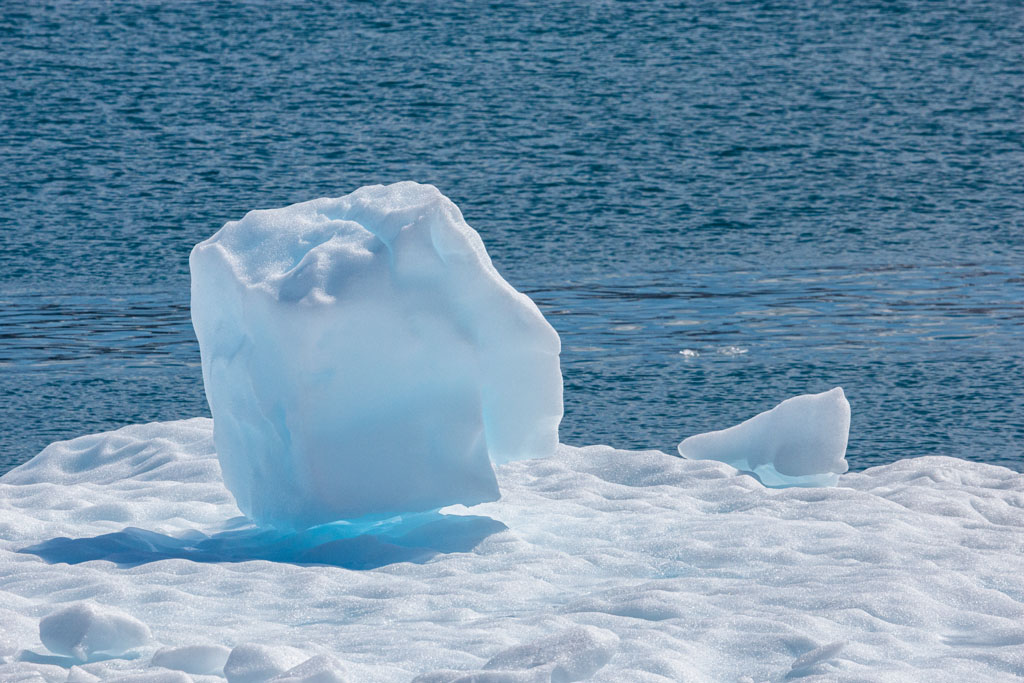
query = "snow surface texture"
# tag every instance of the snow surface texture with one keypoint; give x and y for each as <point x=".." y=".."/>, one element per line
<point x="362" y="357"/>
<point x="800" y="442"/>
<point x="84" y="631"/>
<point x="596" y="564"/>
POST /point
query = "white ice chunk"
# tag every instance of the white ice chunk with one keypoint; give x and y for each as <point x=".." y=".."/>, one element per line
<point x="193" y="659"/>
<point x="800" y="442"/>
<point x="362" y="356"/>
<point x="84" y="630"/>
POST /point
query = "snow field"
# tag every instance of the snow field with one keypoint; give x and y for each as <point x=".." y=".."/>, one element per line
<point x="597" y="564"/>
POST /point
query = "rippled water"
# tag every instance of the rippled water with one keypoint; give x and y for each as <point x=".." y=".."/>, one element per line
<point x="718" y="205"/>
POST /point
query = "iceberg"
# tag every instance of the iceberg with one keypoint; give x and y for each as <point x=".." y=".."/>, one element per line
<point x="800" y="442"/>
<point x="363" y="358"/>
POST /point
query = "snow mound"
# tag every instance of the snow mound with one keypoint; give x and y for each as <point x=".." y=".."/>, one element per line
<point x="83" y="631"/>
<point x="362" y="356"/>
<point x="79" y="675"/>
<point x="153" y="677"/>
<point x="574" y="654"/>
<point x="254" y="663"/>
<point x="906" y="572"/>
<point x="194" y="659"/>
<point x="800" y="442"/>
<point x="319" y="669"/>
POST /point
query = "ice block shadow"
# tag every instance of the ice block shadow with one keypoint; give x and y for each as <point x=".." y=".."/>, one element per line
<point x="363" y="545"/>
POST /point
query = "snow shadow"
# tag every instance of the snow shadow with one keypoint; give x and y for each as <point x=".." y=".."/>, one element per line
<point x="367" y="545"/>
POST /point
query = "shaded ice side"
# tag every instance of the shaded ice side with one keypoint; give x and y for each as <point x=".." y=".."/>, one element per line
<point x="363" y="357"/>
<point x="800" y="442"/>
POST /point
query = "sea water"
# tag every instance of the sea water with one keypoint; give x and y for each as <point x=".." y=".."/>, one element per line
<point x="716" y="205"/>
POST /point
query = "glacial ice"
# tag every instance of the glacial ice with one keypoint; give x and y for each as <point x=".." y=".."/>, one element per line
<point x="905" y="572"/>
<point x="800" y="442"/>
<point x="363" y="357"/>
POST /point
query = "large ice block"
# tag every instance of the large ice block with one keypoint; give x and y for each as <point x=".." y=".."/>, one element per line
<point x="362" y="357"/>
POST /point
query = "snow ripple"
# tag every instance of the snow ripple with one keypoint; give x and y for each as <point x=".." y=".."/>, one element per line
<point x="596" y="564"/>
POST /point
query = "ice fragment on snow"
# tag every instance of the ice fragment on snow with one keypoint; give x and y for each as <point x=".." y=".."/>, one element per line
<point x="362" y="356"/>
<point x="84" y="630"/>
<point x="800" y="442"/>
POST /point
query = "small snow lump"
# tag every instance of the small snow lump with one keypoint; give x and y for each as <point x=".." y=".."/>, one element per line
<point x="83" y="630"/>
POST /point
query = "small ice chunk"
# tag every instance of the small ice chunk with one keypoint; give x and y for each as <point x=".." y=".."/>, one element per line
<point x="800" y="442"/>
<point x="193" y="659"/>
<point x="362" y="356"/>
<point x="251" y="663"/>
<point x="84" y="630"/>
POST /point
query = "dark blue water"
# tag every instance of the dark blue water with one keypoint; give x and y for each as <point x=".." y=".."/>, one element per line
<point x="798" y="195"/>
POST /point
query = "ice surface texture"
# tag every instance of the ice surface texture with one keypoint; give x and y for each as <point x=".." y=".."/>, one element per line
<point x="362" y="356"/>
<point x="800" y="442"/>
<point x="904" y="573"/>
